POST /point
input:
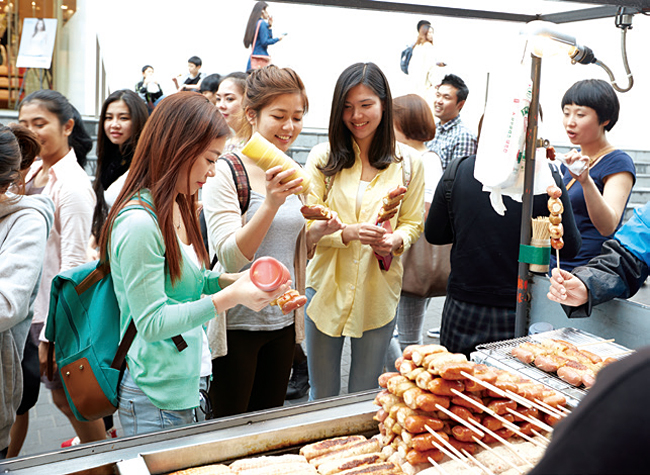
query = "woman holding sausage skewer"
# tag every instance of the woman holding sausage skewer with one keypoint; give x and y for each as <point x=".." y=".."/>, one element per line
<point x="349" y="293"/>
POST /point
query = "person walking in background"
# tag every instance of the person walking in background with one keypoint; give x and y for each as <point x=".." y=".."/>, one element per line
<point x="25" y="223"/>
<point x="599" y="194"/>
<point x="260" y="36"/>
<point x="414" y="125"/>
<point x="453" y="139"/>
<point x="148" y="88"/>
<point x="424" y="67"/>
<point x="153" y="244"/>
<point x="349" y="295"/>
<point x="60" y="175"/>
<point x="209" y="87"/>
<point x="229" y="100"/>
<point x="254" y="373"/>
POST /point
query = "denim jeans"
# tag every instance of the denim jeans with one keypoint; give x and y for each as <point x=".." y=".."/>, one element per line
<point x="410" y="322"/>
<point x="138" y="415"/>
<point x="324" y="358"/>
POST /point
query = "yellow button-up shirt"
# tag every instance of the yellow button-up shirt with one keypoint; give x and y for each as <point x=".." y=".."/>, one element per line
<point x="353" y="294"/>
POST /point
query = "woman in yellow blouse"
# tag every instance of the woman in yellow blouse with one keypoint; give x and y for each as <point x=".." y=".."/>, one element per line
<point x="349" y="295"/>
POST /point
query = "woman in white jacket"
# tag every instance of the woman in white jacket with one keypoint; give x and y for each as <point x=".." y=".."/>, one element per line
<point x="25" y="222"/>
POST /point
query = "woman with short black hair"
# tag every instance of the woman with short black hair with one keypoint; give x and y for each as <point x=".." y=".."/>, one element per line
<point x="599" y="194"/>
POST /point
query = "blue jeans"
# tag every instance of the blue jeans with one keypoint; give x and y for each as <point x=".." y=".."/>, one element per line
<point x="410" y="322"/>
<point x="324" y="358"/>
<point x="138" y="415"/>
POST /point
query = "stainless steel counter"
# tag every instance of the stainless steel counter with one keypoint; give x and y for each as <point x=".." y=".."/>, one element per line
<point x="215" y="441"/>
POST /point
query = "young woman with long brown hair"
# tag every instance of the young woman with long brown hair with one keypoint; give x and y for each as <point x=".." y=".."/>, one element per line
<point x="158" y="263"/>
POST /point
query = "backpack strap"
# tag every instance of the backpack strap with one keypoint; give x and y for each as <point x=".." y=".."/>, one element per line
<point x="129" y="336"/>
<point x="240" y="178"/>
<point x="448" y="183"/>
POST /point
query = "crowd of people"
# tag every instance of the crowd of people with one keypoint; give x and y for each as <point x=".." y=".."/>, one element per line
<point x="142" y="215"/>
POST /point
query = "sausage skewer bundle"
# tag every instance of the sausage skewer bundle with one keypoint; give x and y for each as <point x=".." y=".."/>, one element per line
<point x="435" y="390"/>
<point x="555" y="228"/>
<point x="390" y="203"/>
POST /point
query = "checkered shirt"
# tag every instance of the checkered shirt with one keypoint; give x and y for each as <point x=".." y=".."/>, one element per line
<point x="453" y="140"/>
<point x="465" y="325"/>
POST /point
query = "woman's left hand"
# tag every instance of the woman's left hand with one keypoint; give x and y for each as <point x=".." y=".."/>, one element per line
<point x="389" y="244"/>
<point x="575" y="156"/>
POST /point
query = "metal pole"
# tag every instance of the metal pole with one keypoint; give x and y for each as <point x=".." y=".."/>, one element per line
<point x="521" y="319"/>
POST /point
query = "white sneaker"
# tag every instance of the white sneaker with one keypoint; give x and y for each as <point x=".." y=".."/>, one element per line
<point x="433" y="332"/>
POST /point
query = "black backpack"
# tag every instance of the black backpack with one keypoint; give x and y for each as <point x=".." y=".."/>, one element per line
<point x="406" y="59"/>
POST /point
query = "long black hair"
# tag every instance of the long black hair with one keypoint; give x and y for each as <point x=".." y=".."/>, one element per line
<point x="382" y="147"/>
<point x="58" y="104"/>
<point x="114" y="160"/>
<point x="256" y="14"/>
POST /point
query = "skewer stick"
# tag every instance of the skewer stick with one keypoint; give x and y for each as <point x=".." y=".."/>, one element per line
<point x="513" y="427"/>
<point x="557" y="258"/>
<point x="598" y="342"/>
<point x="539" y="435"/>
<point x="555" y="411"/>
<point x="478" y="464"/>
<point x="541" y="406"/>
<point x="620" y="353"/>
<point x="506" y="444"/>
<point x="450" y="451"/>
<point x="532" y="420"/>
<point x="438" y="467"/>
<point x="509" y="394"/>
<point x="460" y="420"/>
<point x="494" y="452"/>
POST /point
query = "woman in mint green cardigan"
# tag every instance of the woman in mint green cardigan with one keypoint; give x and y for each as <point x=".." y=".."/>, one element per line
<point x="158" y="263"/>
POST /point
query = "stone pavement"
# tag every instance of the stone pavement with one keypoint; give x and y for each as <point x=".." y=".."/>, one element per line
<point x="48" y="427"/>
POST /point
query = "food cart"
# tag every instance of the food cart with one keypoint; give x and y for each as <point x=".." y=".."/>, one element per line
<point x="286" y="429"/>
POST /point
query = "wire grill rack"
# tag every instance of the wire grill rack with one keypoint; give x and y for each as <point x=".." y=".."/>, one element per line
<point x="497" y="354"/>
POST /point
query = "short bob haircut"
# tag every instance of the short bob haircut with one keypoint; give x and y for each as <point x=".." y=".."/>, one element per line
<point x="413" y="117"/>
<point x="598" y="95"/>
<point x="263" y="86"/>
<point x="179" y="131"/>
<point x="382" y="148"/>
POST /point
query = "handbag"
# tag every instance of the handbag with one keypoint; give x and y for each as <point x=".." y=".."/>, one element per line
<point x="258" y="61"/>
<point x="426" y="269"/>
<point x="405" y="59"/>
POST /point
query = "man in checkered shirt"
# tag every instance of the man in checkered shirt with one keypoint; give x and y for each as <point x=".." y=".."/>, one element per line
<point x="453" y="140"/>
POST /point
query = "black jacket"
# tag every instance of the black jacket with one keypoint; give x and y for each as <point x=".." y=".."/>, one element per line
<point x="485" y="251"/>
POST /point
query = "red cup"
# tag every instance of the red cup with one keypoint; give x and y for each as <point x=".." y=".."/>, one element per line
<point x="268" y="274"/>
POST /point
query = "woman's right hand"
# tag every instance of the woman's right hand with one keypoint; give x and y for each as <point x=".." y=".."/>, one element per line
<point x="367" y="233"/>
<point x="567" y="289"/>
<point x="276" y="191"/>
<point x="244" y="292"/>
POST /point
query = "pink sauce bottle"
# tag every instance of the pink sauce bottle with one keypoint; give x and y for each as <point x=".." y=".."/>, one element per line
<point x="268" y="273"/>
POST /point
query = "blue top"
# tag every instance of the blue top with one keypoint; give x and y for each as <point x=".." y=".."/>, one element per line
<point x="635" y="235"/>
<point x="264" y="40"/>
<point x="612" y="163"/>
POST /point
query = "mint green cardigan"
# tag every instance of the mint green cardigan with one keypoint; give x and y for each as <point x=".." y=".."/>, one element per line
<point x="160" y="310"/>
